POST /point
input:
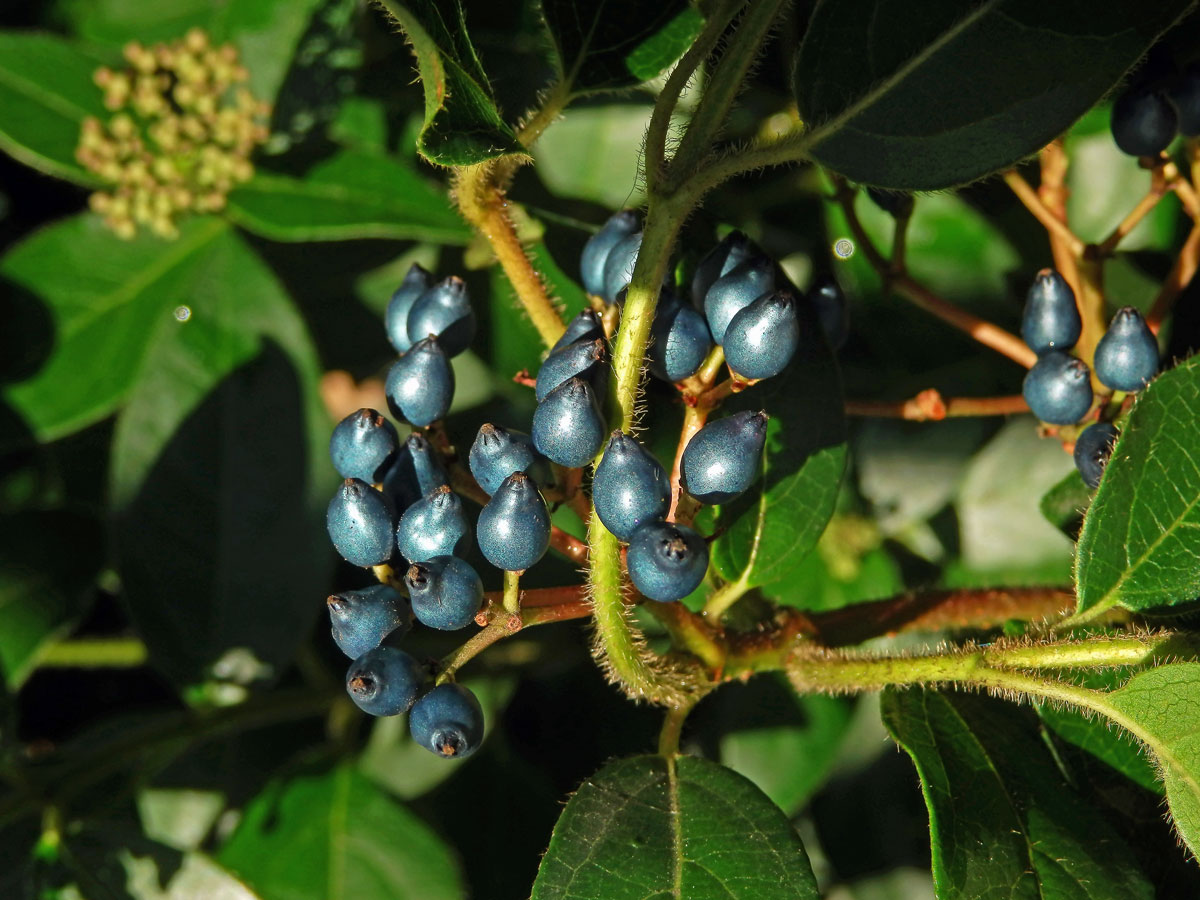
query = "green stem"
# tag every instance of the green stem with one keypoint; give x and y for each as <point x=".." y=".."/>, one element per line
<point x="94" y="653"/>
<point x="672" y="728"/>
<point x="725" y="596"/>
<point x="512" y="592"/>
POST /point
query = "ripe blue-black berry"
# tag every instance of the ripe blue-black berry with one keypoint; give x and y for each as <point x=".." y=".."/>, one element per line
<point x="567" y="426"/>
<point x="447" y="721"/>
<point x="420" y="384"/>
<point x="498" y="452"/>
<point x="630" y="487"/>
<point x="416" y="471"/>
<point x="732" y="293"/>
<point x="585" y="359"/>
<point x="1092" y="449"/>
<point x="1184" y="94"/>
<point x="733" y="250"/>
<point x="1143" y="122"/>
<point x="721" y="459"/>
<point x="618" y="266"/>
<point x="679" y="339"/>
<point x="360" y="620"/>
<point x="444" y="311"/>
<point x="1127" y="356"/>
<point x="435" y="525"/>
<point x="586" y="326"/>
<point x="595" y="252"/>
<point x="832" y="310"/>
<point x="396" y="318"/>
<point x="666" y="561"/>
<point x="361" y="521"/>
<point x="363" y="446"/>
<point x="1051" y="319"/>
<point x="446" y="592"/>
<point x="1058" y="388"/>
<point x="514" y="528"/>
<point x="385" y="681"/>
<point x="762" y="338"/>
<point x="898" y="203"/>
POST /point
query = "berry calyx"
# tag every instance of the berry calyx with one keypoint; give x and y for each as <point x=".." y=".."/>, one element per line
<point x="360" y="521"/>
<point x="1051" y="318"/>
<point x="1093" y="448"/>
<point x="514" y="528"/>
<point x="1058" y="388"/>
<point x="360" y="620"/>
<point x="1127" y="356"/>
<point x="586" y="326"/>
<point x="498" y="452"/>
<point x="630" y="487"/>
<point x="363" y="446"/>
<point x="585" y="359"/>
<point x="446" y="592"/>
<point x="420" y="384"/>
<point x="732" y="293"/>
<point x="666" y="561"/>
<point x="444" y="310"/>
<point x="436" y="525"/>
<point x="448" y="721"/>
<point x="762" y="338"/>
<point x="721" y="460"/>
<point x="567" y="426"/>
<point x="416" y="280"/>
<point x="385" y="681"/>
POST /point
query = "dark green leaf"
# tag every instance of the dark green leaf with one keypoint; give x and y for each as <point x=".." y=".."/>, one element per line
<point x="767" y="532"/>
<point x="333" y="836"/>
<point x="642" y="828"/>
<point x="962" y="90"/>
<point x="1162" y="708"/>
<point x="462" y="124"/>
<point x="1065" y="504"/>
<point x="47" y="562"/>
<point x="1141" y="536"/>
<point x="224" y="422"/>
<point x="354" y="194"/>
<point x="46" y="91"/>
<point x="615" y="44"/>
<point x="1003" y="821"/>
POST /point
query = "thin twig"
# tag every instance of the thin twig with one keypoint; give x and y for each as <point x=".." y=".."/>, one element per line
<point x="931" y="406"/>
<point x="1180" y="276"/>
<point x="1053" y="193"/>
<point x="1050" y="221"/>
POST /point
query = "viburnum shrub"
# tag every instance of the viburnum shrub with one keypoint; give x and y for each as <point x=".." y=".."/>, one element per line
<point x="674" y="498"/>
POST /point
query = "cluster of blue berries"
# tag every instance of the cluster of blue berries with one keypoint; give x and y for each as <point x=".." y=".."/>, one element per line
<point x="1148" y="114"/>
<point x="1058" y="388"/>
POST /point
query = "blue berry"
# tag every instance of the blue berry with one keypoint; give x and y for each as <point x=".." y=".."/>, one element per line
<point x="666" y="561"/>
<point x="832" y="311"/>
<point x="596" y="251"/>
<point x="618" y="265"/>
<point x="514" y="528"/>
<point x="761" y="339"/>
<point x="385" y="681"/>
<point x="586" y="326"/>
<point x="444" y="311"/>
<point x="363" y="446"/>
<point x="435" y="525"/>
<point x="1143" y="122"/>
<point x="1127" y="356"/>
<point x="415" y="472"/>
<point x="446" y="592"/>
<point x="630" y="487"/>
<point x="420" y="384"/>
<point x="361" y="521"/>
<point x="498" y="452"/>
<point x="586" y="359"/>
<point x="1184" y="94"/>
<point x="1058" y="388"/>
<point x="396" y="318"/>
<point x="679" y="339"/>
<point x="447" y="721"/>
<point x="567" y="426"/>
<point x="721" y="459"/>
<point x="1093" y="447"/>
<point x="898" y="203"/>
<point x="732" y="293"/>
<point x="733" y="250"/>
<point x="1051" y="319"/>
<point x="360" y="620"/>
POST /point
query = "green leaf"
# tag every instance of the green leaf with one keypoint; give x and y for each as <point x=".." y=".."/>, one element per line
<point x="1065" y="504"/>
<point x="46" y="91"/>
<point x="462" y="124"/>
<point x="351" y="195"/>
<point x="617" y="44"/>
<point x="960" y="91"/>
<point x="594" y="153"/>
<point x="333" y="835"/>
<point x="47" y="562"/>
<point x="1003" y="821"/>
<point x="1141" y="536"/>
<point x="643" y="828"/>
<point x="766" y="533"/>
<point x="1162" y="708"/>
<point x="224" y="422"/>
